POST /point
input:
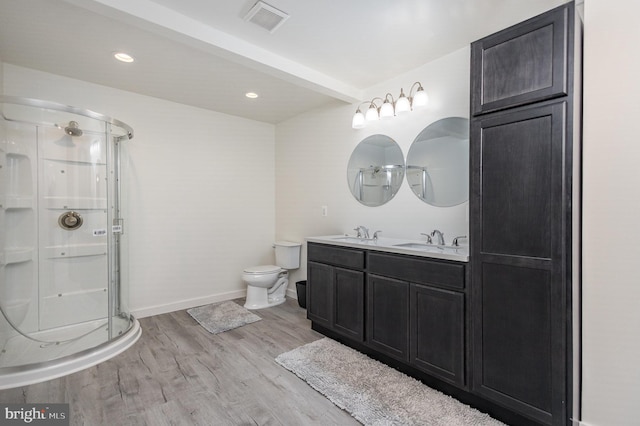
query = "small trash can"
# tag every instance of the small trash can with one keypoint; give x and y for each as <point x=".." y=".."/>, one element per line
<point x="301" y="289"/>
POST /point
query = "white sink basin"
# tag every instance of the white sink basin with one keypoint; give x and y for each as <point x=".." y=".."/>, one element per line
<point x="432" y="248"/>
<point x="347" y="239"/>
<point x="351" y="239"/>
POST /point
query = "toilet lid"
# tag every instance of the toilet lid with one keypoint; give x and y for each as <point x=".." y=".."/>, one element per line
<point x="263" y="269"/>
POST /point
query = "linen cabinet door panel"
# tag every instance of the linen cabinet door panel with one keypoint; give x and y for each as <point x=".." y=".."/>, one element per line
<point x="520" y="336"/>
<point x="438" y="333"/>
<point x="388" y="316"/>
<point x="518" y="163"/>
<point x="523" y="64"/>
<point x="349" y="303"/>
<point x="320" y="293"/>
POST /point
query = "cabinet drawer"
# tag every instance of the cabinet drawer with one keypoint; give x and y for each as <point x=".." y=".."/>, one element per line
<point x="417" y="270"/>
<point x="339" y="256"/>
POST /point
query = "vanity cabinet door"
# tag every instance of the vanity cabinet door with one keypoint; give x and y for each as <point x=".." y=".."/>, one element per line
<point x="348" y="303"/>
<point x="320" y="293"/>
<point x="437" y="333"/>
<point x="388" y="316"/>
<point x="522" y="64"/>
<point x="336" y="299"/>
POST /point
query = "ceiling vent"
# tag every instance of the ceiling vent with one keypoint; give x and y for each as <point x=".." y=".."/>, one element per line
<point x="265" y="16"/>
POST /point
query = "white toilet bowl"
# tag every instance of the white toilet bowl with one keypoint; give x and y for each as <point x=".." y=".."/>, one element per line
<point x="267" y="284"/>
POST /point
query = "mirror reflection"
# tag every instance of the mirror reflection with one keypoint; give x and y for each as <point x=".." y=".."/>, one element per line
<point x="375" y="170"/>
<point x="438" y="163"/>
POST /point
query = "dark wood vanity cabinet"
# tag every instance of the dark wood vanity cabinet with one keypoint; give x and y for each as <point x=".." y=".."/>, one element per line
<point x="336" y="290"/>
<point x="521" y="152"/>
<point x="415" y="308"/>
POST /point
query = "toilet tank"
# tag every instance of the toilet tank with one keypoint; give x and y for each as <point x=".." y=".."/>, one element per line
<point x="287" y="254"/>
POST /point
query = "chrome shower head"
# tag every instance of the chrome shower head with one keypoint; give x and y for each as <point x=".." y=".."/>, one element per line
<point x="72" y="129"/>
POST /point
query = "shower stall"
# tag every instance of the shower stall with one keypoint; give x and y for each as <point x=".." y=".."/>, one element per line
<point x="63" y="240"/>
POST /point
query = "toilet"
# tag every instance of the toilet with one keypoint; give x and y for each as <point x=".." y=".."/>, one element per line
<point x="267" y="284"/>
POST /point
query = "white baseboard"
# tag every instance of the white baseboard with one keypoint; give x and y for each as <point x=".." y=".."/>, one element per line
<point x="188" y="303"/>
<point x="199" y="301"/>
<point x="292" y="293"/>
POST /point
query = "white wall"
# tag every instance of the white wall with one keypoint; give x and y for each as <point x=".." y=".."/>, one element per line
<point x="611" y="206"/>
<point x="201" y="191"/>
<point x="313" y="150"/>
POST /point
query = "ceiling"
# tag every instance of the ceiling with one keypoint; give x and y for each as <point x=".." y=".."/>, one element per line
<point x="203" y="53"/>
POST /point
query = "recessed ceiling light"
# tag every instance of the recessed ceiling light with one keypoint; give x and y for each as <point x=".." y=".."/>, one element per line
<point x="251" y="95"/>
<point x="123" y="57"/>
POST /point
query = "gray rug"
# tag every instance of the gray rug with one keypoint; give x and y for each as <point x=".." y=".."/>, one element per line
<point x="224" y="316"/>
<point x="374" y="393"/>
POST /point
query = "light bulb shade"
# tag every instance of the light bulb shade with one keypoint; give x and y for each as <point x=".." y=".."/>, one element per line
<point x="386" y="110"/>
<point x="402" y="104"/>
<point x="358" y="120"/>
<point x="420" y="99"/>
<point x="372" y="113"/>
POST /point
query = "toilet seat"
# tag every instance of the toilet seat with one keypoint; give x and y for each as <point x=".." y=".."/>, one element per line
<point x="262" y="269"/>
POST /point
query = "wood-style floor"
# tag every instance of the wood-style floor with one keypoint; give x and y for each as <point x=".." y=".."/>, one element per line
<point x="180" y="374"/>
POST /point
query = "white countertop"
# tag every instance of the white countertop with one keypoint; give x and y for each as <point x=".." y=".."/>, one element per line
<point x="397" y="245"/>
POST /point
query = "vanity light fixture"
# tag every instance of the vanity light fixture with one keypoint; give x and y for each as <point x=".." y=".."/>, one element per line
<point x="373" y="112"/>
<point x="403" y="104"/>
<point x="358" y="119"/>
<point x="123" y="57"/>
<point x="387" y="110"/>
<point x="420" y="98"/>
<point x="391" y="107"/>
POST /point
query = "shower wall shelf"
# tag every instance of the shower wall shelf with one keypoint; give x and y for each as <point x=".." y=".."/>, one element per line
<point x="16" y="255"/>
<point x="13" y="149"/>
<point x="66" y="251"/>
<point x="76" y="203"/>
<point x="16" y="202"/>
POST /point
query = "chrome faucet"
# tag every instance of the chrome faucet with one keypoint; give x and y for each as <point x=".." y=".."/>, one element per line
<point x="365" y="232"/>
<point x="429" y="240"/>
<point x="375" y="235"/>
<point x="362" y="232"/>
<point x="440" y="236"/>
<point x="455" y="240"/>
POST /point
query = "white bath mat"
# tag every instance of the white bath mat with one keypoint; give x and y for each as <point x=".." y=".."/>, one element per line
<point x="225" y="316"/>
<point x="374" y="393"/>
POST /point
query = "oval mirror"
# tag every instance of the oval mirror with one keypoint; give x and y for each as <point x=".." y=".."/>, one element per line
<point x="375" y="170"/>
<point x="438" y="163"/>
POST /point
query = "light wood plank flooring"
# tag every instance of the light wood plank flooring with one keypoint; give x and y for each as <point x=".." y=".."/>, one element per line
<point x="179" y="374"/>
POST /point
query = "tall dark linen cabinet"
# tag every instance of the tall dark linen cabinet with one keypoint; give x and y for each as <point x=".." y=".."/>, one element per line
<point x="522" y="142"/>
